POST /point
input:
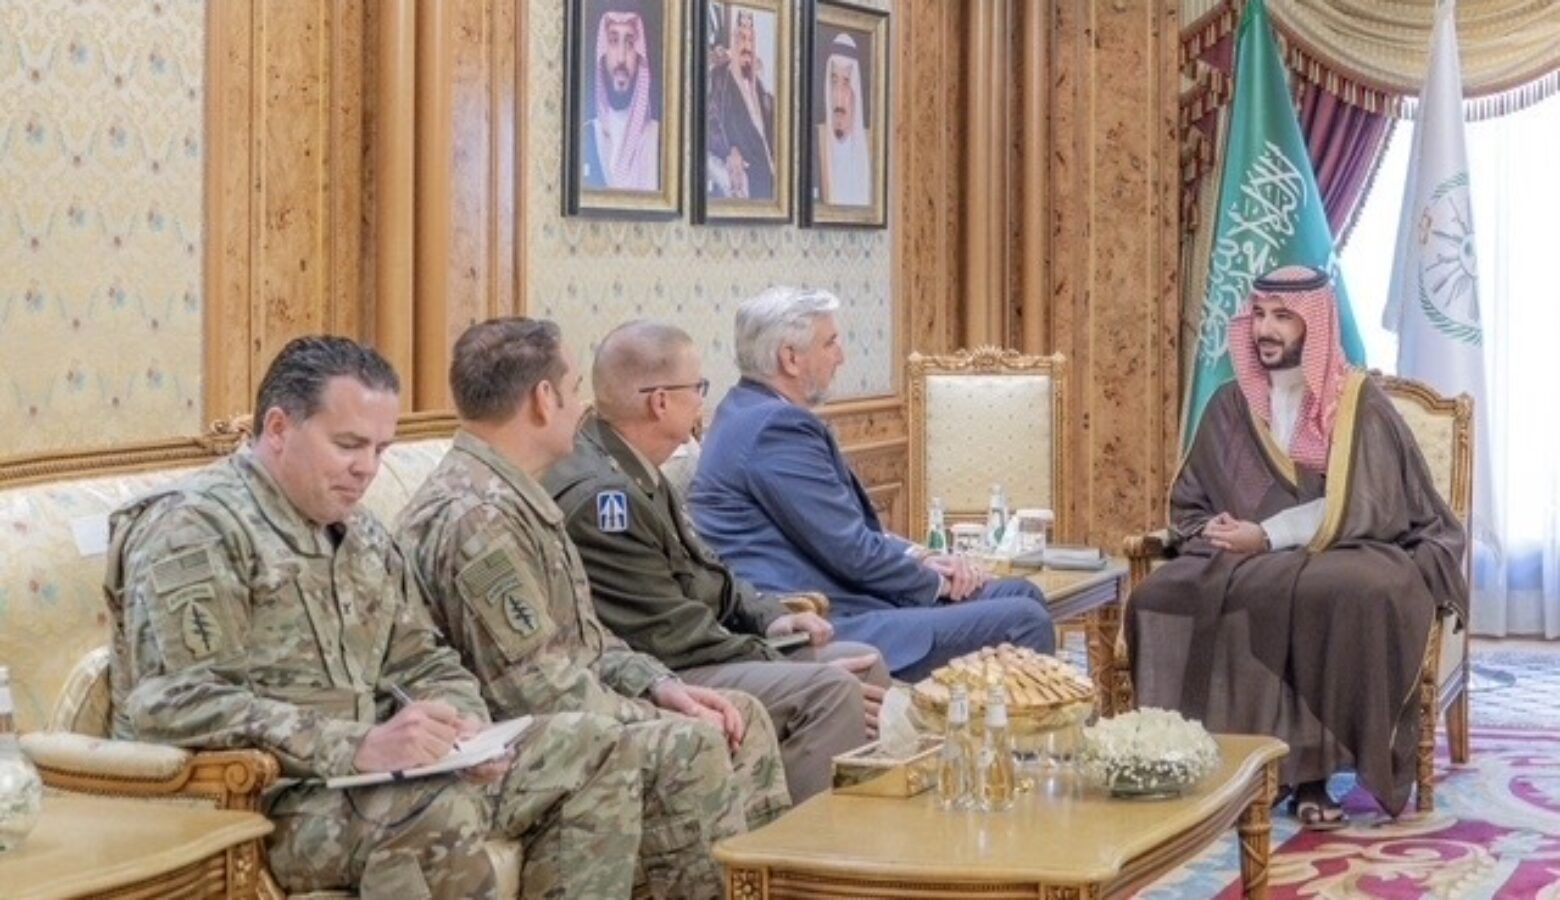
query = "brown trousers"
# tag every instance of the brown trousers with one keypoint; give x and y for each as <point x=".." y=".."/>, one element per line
<point x="817" y="708"/>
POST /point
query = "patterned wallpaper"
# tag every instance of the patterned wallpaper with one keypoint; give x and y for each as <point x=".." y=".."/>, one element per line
<point x="100" y="221"/>
<point x="591" y="274"/>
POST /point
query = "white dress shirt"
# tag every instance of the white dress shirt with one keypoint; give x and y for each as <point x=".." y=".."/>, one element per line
<point x="1297" y="525"/>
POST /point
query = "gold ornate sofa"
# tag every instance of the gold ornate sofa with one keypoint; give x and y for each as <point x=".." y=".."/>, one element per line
<point x="1443" y="428"/>
<point x="964" y="435"/>
<point x="54" y="626"/>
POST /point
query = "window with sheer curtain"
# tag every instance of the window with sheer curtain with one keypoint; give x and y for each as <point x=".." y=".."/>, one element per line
<point x="1514" y="172"/>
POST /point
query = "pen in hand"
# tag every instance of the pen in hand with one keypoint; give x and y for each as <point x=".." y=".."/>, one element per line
<point x="402" y="698"/>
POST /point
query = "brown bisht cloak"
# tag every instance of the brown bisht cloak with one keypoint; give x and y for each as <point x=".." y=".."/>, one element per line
<point x="1321" y="645"/>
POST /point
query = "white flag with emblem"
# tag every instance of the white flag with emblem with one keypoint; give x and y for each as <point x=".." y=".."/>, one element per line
<point x="1433" y="300"/>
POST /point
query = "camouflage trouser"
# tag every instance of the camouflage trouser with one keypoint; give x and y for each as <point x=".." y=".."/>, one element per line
<point x="573" y="799"/>
<point x="412" y="839"/>
<point x="692" y="799"/>
<point x="758" y="764"/>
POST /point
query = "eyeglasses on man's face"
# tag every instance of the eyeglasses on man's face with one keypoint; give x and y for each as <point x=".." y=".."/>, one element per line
<point x="702" y="386"/>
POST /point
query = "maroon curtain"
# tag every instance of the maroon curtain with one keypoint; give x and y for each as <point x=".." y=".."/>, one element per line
<point x="1346" y="144"/>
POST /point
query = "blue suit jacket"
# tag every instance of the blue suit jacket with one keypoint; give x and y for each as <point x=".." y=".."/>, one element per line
<point x="776" y="499"/>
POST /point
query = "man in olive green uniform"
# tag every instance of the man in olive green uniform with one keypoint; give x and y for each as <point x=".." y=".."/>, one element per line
<point x="661" y="589"/>
<point x="508" y="588"/>
<point x="256" y="605"/>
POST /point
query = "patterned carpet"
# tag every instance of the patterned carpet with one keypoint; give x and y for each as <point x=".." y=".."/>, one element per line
<point x="1495" y="832"/>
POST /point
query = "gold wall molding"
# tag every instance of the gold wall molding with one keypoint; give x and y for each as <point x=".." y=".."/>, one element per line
<point x="988" y="177"/>
<point x="392" y="150"/>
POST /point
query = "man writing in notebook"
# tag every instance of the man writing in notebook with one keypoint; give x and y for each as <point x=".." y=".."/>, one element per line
<point x="256" y="604"/>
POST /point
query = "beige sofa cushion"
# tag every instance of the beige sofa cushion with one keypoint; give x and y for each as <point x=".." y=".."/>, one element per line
<point x="51" y="587"/>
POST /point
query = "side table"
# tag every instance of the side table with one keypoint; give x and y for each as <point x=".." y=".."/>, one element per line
<point x="107" y="847"/>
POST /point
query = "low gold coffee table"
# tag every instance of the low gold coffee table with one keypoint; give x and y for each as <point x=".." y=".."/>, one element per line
<point x="101" y="847"/>
<point x="1081" y="847"/>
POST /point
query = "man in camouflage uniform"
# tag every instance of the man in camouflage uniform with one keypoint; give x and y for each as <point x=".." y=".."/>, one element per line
<point x="257" y="605"/>
<point x="511" y="593"/>
<point x="658" y="586"/>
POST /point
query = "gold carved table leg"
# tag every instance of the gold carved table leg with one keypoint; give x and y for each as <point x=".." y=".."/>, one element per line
<point x="746" y="884"/>
<point x="1256" y="832"/>
<point x="1103" y="623"/>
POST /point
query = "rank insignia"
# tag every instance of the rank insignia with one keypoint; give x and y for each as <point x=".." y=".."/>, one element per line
<point x="612" y="512"/>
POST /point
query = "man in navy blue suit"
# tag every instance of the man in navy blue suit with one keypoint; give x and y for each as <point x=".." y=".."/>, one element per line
<point x="777" y="500"/>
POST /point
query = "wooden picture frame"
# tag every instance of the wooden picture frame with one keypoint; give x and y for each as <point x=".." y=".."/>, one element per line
<point x="845" y="126"/>
<point x="744" y="65"/>
<point x="626" y="65"/>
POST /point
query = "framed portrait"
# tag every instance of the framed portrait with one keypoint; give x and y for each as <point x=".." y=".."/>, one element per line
<point x="623" y="108"/>
<point x="743" y="72"/>
<point x="845" y="137"/>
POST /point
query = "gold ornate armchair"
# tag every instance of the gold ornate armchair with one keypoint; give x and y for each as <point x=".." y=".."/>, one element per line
<point x="1443" y="428"/>
<point x="54" y="625"/>
<point x="984" y="416"/>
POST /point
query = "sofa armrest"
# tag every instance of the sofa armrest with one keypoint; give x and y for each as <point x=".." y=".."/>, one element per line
<point x="809" y="601"/>
<point x="1151" y="545"/>
<point x="1142" y="551"/>
<point x="226" y="779"/>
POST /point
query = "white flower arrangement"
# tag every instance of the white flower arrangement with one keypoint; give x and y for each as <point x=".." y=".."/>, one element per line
<point x="1148" y="752"/>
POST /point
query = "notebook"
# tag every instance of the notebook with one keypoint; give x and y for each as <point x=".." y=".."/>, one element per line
<point x="488" y="744"/>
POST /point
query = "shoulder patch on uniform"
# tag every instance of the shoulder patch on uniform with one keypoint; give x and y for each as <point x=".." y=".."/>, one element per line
<point x="183" y="568"/>
<point x="197" y="620"/>
<point x="493" y="581"/>
<point x="612" y="511"/>
<point x="521" y="617"/>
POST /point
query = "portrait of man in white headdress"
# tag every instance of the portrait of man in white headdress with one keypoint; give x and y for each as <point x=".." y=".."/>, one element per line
<point x="740" y="136"/>
<point x="620" y="144"/>
<point x="844" y="142"/>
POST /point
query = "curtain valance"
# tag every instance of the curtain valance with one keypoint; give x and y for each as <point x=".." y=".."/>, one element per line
<point x="1373" y="53"/>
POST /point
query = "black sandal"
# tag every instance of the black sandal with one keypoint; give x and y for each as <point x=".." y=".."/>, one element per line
<point x="1318" y="814"/>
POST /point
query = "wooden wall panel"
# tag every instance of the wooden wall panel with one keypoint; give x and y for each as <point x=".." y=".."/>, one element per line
<point x="467" y="218"/>
<point x="928" y="145"/>
<point x="988" y="181"/>
<point x="284" y="184"/>
<point x="1113" y="180"/>
<point x="391" y="162"/>
<point x="229" y="343"/>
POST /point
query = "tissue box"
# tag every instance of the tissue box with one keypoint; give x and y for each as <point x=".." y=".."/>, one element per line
<point x="869" y="771"/>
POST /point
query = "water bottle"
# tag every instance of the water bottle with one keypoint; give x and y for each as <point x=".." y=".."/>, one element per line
<point x="996" y="517"/>
<point x="936" y="532"/>
<point x="997" y="779"/>
<point x="955" y="789"/>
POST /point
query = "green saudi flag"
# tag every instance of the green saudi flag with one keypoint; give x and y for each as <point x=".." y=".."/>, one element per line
<point x="1270" y="213"/>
